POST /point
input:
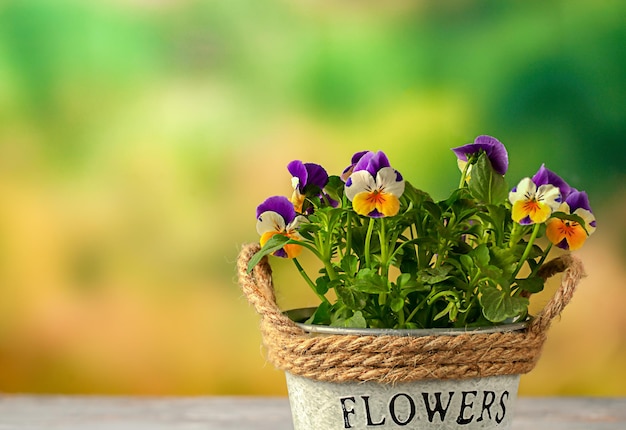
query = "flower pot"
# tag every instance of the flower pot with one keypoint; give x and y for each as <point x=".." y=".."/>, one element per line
<point x="426" y="379"/>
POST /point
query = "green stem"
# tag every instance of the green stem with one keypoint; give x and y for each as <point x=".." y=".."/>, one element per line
<point x="529" y="247"/>
<point x="309" y="281"/>
<point x="415" y="310"/>
<point x="349" y="233"/>
<point x="326" y="256"/>
<point x="368" y="240"/>
<point x="516" y="233"/>
<point x="542" y="260"/>
<point x="464" y="174"/>
<point x="384" y="249"/>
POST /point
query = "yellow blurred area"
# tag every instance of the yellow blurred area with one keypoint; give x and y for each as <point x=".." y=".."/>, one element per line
<point x="137" y="139"/>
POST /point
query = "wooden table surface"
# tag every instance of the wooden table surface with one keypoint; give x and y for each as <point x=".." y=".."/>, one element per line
<point x="28" y="412"/>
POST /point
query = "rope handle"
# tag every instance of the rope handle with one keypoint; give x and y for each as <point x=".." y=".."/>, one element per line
<point x="573" y="271"/>
<point x="258" y="288"/>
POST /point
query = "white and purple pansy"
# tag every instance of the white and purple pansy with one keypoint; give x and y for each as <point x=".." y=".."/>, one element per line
<point x="276" y="215"/>
<point x="307" y="180"/>
<point x="534" y="199"/>
<point x="374" y="187"/>
<point x="495" y="150"/>
<point x="568" y="234"/>
<point x="533" y="204"/>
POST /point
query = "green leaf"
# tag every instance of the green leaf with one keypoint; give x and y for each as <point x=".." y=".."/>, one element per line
<point x="486" y="184"/>
<point x="349" y="265"/>
<point x="532" y="285"/>
<point x="481" y="256"/>
<point x="397" y="303"/>
<point x="322" y="285"/>
<point x="467" y="262"/>
<point x="498" y="305"/>
<point x="275" y="243"/>
<point x="349" y="295"/>
<point x="505" y="259"/>
<point x="369" y="281"/>
<point x="355" y="321"/>
<point x="335" y="188"/>
<point x="414" y="195"/>
<point x="434" y="275"/>
<point x="321" y="314"/>
<point x="433" y="209"/>
<point x="403" y="279"/>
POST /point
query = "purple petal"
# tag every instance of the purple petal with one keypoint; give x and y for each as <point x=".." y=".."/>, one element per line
<point x="563" y="244"/>
<point x="355" y="159"/>
<point x="279" y="204"/>
<point x="375" y="214"/>
<point x="546" y="176"/>
<point x="372" y="162"/>
<point x="317" y="175"/>
<point x="297" y="169"/>
<point x="578" y="199"/>
<point x="281" y="253"/>
<point x="308" y="174"/>
<point x="526" y="220"/>
<point x="495" y="150"/>
<point x="357" y="156"/>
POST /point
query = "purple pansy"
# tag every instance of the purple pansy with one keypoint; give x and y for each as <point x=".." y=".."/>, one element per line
<point x="278" y="204"/>
<point x="276" y="215"/>
<point x="308" y="180"/>
<point x="307" y="175"/>
<point x="495" y="150"/>
<point x="374" y="187"/>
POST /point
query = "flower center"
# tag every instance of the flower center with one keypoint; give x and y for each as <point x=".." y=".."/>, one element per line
<point x="532" y="206"/>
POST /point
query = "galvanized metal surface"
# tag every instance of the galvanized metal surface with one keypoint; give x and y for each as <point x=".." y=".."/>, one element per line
<point x="27" y="412"/>
<point x="441" y="404"/>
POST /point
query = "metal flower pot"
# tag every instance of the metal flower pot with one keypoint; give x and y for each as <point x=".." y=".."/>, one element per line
<point x="475" y="403"/>
<point x="416" y="379"/>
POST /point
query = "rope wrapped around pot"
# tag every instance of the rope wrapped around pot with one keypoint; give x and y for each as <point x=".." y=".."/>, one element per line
<point x="392" y="359"/>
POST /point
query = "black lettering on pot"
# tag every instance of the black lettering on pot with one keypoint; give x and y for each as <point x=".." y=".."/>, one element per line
<point x="499" y="418"/>
<point x="488" y="398"/>
<point x="346" y="411"/>
<point x="392" y="409"/>
<point x="464" y="405"/>
<point x="371" y="422"/>
<point x="438" y="406"/>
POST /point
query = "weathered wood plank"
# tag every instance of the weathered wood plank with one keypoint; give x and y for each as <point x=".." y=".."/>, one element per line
<point x="28" y="412"/>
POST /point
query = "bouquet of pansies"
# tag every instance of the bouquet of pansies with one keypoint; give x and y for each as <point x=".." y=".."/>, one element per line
<point x="391" y="257"/>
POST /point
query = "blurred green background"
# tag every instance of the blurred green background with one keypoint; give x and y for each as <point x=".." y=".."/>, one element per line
<point x="137" y="138"/>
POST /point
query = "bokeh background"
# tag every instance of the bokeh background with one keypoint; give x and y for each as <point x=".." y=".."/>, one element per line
<point x="137" y="138"/>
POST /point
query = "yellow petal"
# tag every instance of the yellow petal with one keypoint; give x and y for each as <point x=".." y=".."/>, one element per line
<point x="363" y="203"/>
<point x="388" y="204"/>
<point x="537" y="212"/>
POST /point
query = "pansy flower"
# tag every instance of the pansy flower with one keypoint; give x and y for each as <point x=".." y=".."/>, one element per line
<point x="308" y="180"/>
<point x="495" y="150"/>
<point x="568" y="234"/>
<point x="374" y="187"/>
<point x="533" y="204"/>
<point x="276" y="215"/>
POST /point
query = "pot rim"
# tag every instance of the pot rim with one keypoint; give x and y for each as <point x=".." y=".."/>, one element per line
<point x="300" y="314"/>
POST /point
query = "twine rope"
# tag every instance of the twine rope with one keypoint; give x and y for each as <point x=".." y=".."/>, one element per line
<point x="392" y="359"/>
